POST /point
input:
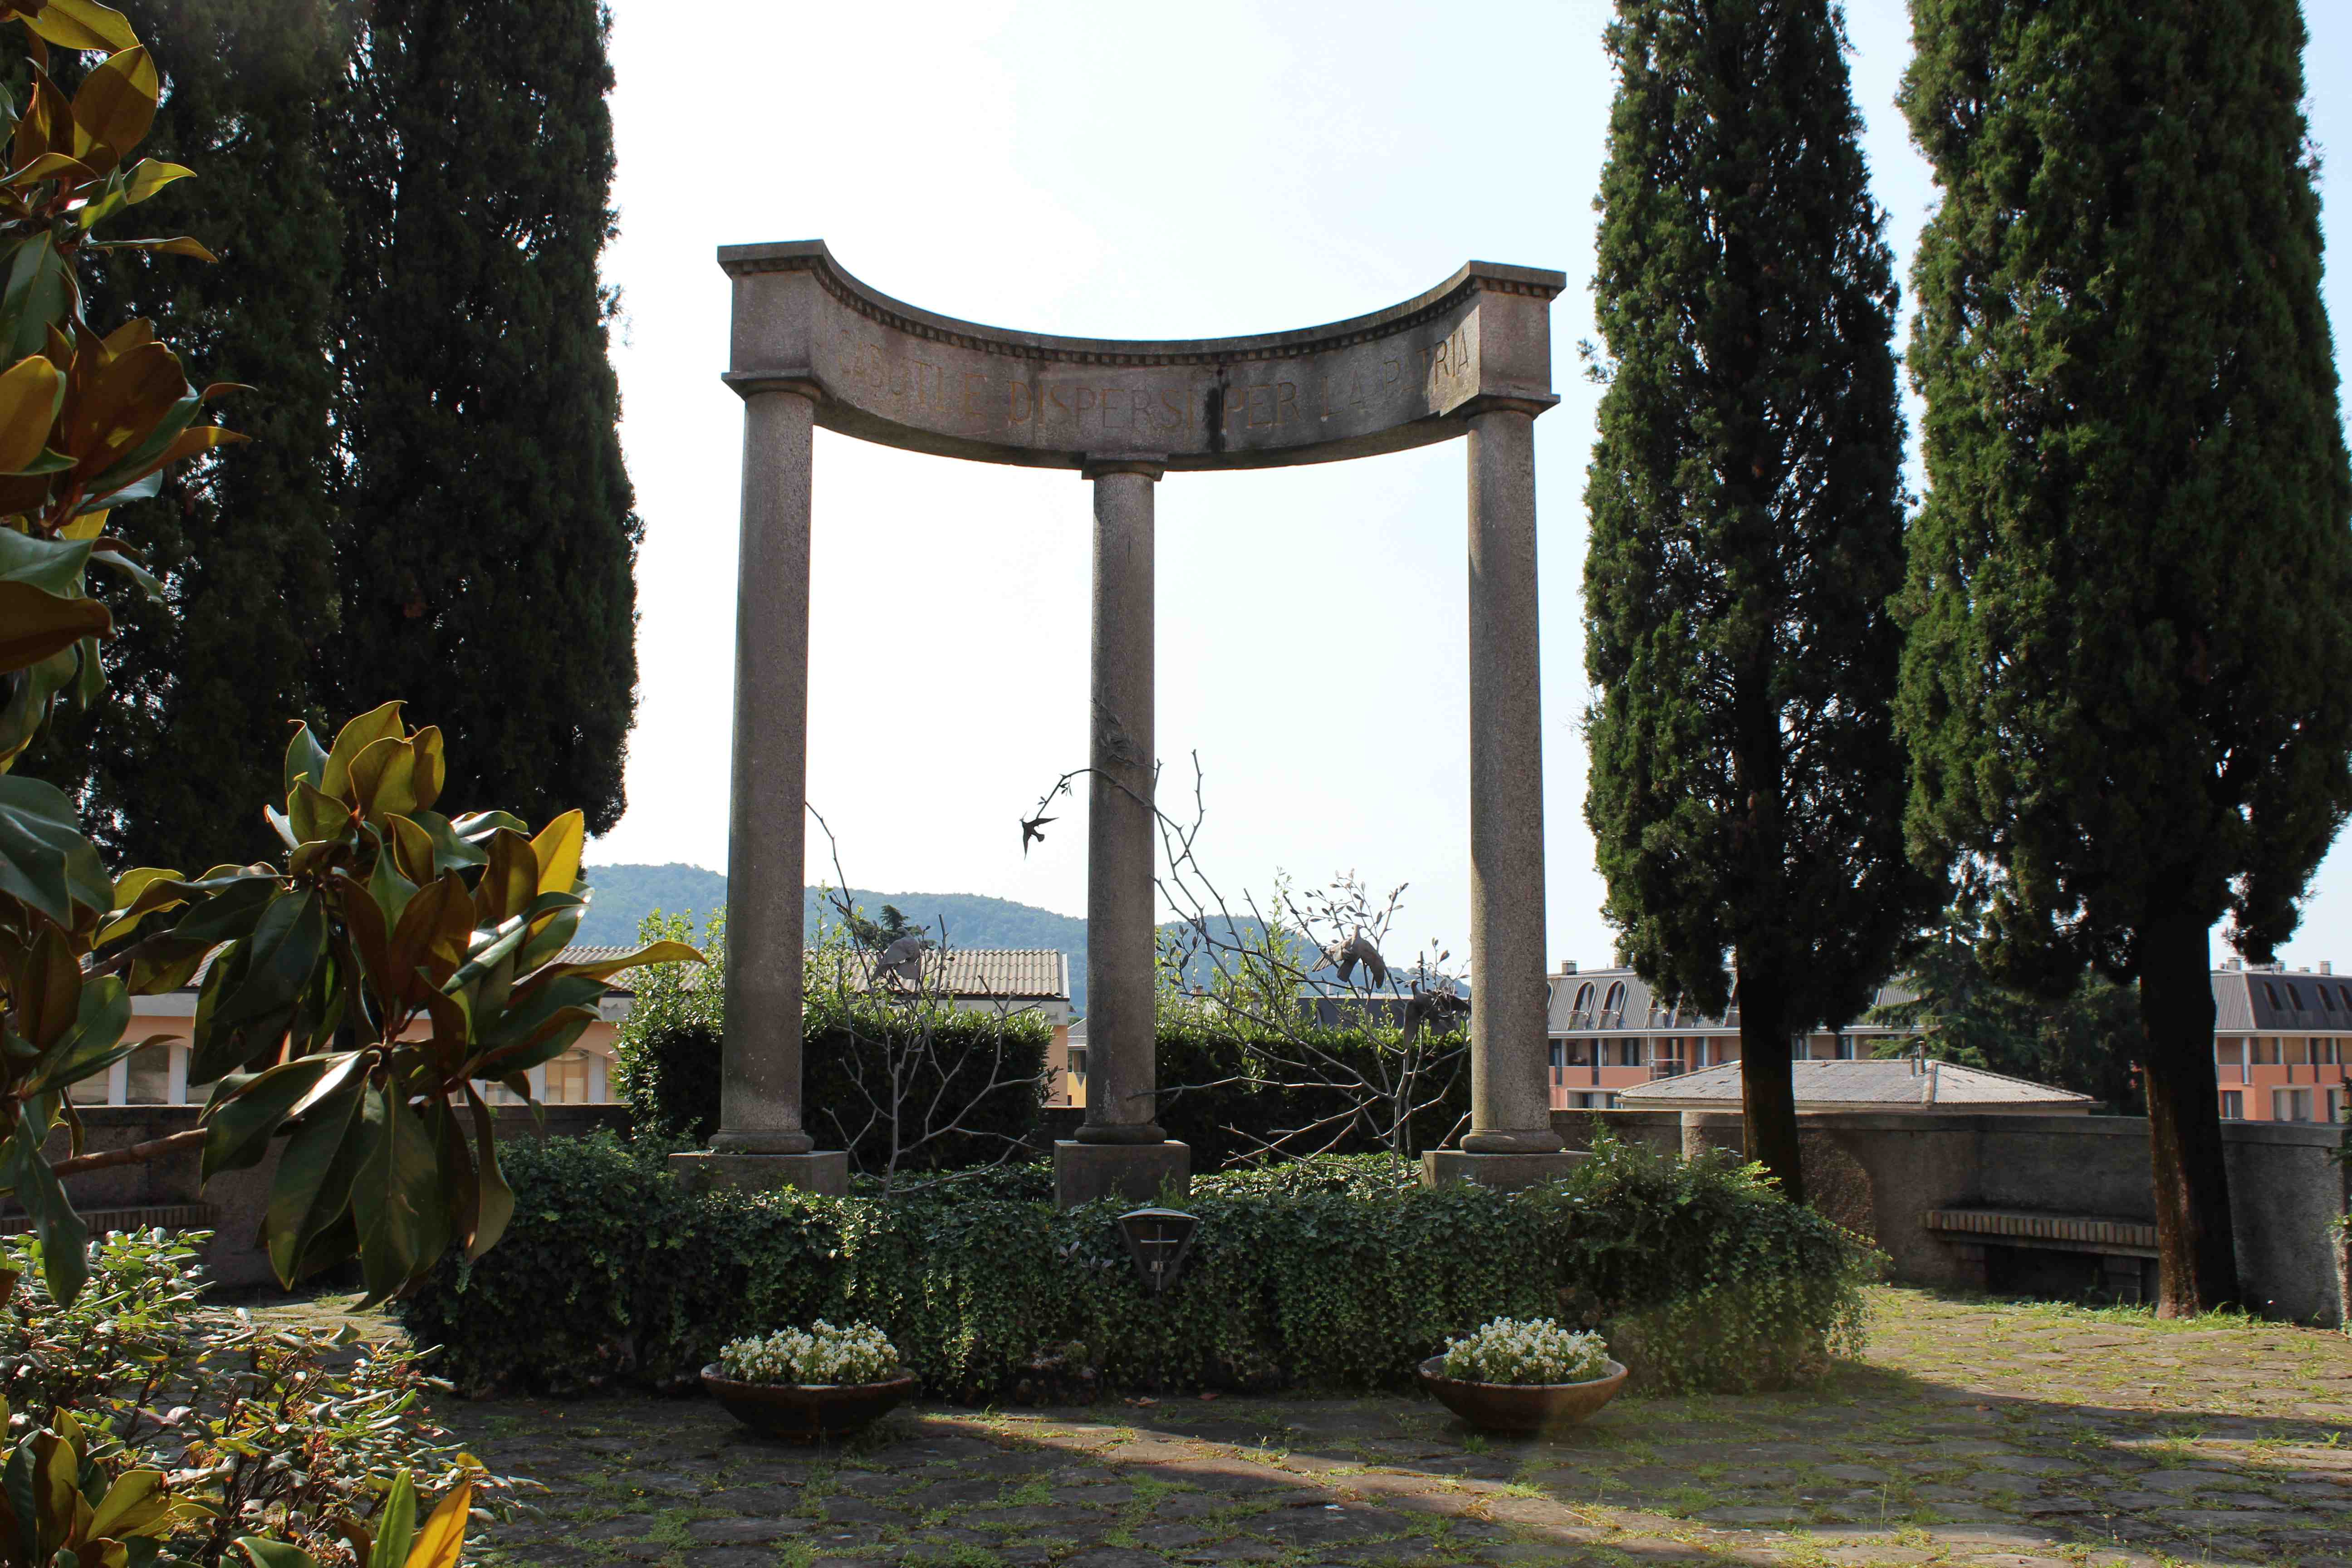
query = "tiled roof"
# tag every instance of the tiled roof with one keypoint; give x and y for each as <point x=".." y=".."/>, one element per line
<point x="1900" y="1080"/>
<point x="1016" y="974"/>
<point x="2255" y="1001"/>
<point x="1637" y="1009"/>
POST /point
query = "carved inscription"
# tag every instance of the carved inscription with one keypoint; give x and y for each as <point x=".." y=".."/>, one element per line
<point x="1083" y="407"/>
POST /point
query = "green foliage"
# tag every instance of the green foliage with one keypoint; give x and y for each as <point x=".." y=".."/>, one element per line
<point x="117" y="1348"/>
<point x="250" y="89"/>
<point x="285" y="1431"/>
<point x="2082" y="1040"/>
<point x="60" y="1508"/>
<point x="1746" y="503"/>
<point x="487" y="556"/>
<point x="1230" y="1087"/>
<point x="2129" y="682"/>
<point x="396" y="958"/>
<point x="1305" y="1275"/>
<point x="666" y="1056"/>
<point x="2128" y="678"/>
<point x="900" y="1079"/>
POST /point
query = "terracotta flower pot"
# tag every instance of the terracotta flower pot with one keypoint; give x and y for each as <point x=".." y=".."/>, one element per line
<point x="1520" y="1406"/>
<point x="806" y="1410"/>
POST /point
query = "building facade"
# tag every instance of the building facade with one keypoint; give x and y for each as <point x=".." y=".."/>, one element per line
<point x="1611" y="1034"/>
<point x="2281" y="1037"/>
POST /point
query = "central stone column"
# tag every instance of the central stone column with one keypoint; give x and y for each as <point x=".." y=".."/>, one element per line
<point x="1510" y="1141"/>
<point x="760" y="1143"/>
<point x="1121" y="1148"/>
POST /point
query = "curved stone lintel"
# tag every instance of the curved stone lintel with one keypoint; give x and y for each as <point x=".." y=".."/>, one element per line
<point x="892" y="373"/>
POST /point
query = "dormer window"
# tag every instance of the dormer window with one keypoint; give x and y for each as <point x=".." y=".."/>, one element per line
<point x="2271" y="990"/>
<point x="1583" y="1009"/>
<point x="1613" y="1004"/>
<point x="2294" y="996"/>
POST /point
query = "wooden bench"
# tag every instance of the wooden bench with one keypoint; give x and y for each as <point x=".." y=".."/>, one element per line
<point x="2126" y="1249"/>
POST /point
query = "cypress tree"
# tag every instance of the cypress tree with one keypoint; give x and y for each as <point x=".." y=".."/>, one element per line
<point x="173" y="767"/>
<point x="2127" y="688"/>
<point x="488" y="559"/>
<point x="1747" y="788"/>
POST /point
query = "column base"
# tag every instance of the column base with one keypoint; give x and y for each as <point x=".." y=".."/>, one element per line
<point x="824" y="1171"/>
<point x="1136" y="1172"/>
<point x="1505" y="1172"/>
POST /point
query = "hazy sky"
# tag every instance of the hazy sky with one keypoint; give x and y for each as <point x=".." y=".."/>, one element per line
<point x="1142" y="172"/>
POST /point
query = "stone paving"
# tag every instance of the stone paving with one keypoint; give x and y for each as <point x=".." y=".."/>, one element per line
<point x="1974" y="1433"/>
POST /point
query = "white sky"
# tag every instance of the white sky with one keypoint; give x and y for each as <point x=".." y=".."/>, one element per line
<point x="1136" y="170"/>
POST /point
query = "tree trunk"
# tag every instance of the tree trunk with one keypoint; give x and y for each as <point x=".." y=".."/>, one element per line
<point x="1768" y="1093"/>
<point x="2197" y="1260"/>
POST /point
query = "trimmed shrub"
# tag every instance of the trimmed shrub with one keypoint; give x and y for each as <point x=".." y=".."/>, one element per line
<point x="1212" y="1120"/>
<point x="1330" y="1274"/>
<point x="937" y="1111"/>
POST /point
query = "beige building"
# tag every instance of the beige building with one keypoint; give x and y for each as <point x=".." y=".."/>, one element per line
<point x="1021" y="980"/>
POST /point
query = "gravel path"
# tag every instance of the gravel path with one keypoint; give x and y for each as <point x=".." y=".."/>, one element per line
<point x="1974" y="1433"/>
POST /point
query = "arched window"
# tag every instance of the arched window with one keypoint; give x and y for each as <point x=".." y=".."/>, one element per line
<point x="2294" y="996"/>
<point x="1582" y="1011"/>
<point x="2271" y="990"/>
<point x="1613" y="1004"/>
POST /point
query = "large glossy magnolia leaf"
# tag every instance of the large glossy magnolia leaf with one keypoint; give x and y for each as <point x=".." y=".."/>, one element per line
<point x="44" y="861"/>
<point x="30" y="392"/>
<point x="116" y="103"/>
<point x="76" y="24"/>
<point x="37" y="625"/>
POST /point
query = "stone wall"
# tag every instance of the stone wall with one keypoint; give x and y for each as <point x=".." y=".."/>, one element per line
<point x="1879" y="1172"/>
<point x="237" y="1199"/>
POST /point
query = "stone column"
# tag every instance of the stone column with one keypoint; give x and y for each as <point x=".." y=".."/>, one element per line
<point x="1510" y="1141"/>
<point x="1120" y="1147"/>
<point x="760" y="1143"/>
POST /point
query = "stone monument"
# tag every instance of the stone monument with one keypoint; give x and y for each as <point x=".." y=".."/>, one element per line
<point x="814" y="347"/>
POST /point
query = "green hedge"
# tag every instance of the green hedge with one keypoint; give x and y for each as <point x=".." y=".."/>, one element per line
<point x="668" y="1054"/>
<point x="1336" y="1274"/>
<point x="1192" y="1051"/>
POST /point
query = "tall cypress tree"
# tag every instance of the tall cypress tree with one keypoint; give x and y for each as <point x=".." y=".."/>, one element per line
<point x="241" y="539"/>
<point x="2129" y="682"/>
<point x="1746" y="787"/>
<point x="487" y="560"/>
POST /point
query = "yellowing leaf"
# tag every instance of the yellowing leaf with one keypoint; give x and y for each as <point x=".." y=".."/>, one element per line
<point x="83" y="24"/>
<point x="152" y="174"/>
<point x="557" y="849"/>
<point x="88" y="525"/>
<point x="444" y="1535"/>
<point x="356" y="736"/>
<point x="31" y="391"/>
<point x="116" y="104"/>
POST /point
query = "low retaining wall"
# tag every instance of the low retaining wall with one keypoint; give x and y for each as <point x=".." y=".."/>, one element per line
<point x="136" y="1196"/>
<point x="1881" y="1172"/>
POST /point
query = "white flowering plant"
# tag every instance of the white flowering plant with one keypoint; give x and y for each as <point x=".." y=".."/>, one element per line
<point x="1535" y="1350"/>
<point x="819" y="1354"/>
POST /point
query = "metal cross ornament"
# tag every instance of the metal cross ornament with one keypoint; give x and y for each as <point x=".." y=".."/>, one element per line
<point x="1158" y="1240"/>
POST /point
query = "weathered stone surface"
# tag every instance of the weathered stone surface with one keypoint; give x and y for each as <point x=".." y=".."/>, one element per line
<point x="891" y="374"/>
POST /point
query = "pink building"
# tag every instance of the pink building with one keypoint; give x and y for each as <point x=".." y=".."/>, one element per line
<point x="2280" y="1040"/>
